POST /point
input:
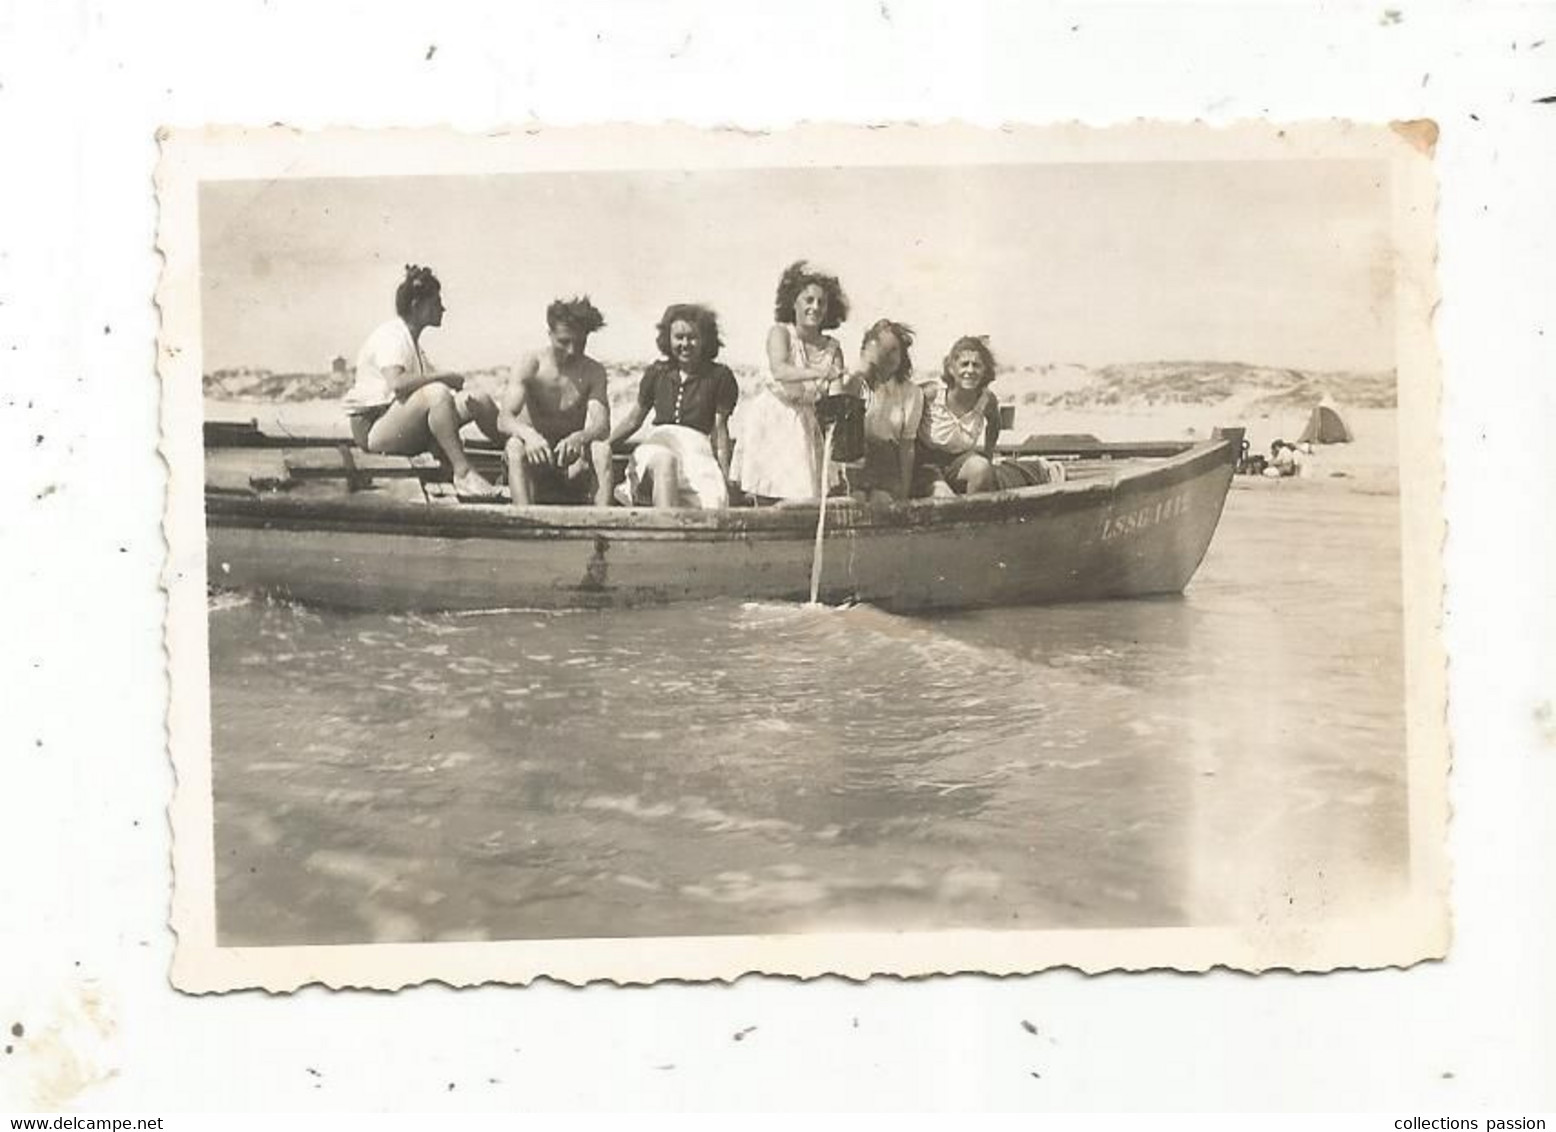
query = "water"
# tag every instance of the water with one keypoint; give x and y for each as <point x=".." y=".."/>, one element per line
<point x="744" y="768"/>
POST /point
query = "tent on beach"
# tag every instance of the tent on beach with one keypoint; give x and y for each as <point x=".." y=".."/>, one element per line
<point x="1326" y="426"/>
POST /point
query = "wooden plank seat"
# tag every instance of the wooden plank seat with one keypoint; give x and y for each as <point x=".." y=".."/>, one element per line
<point x="355" y="470"/>
<point x="359" y="469"/>
<point x="1084" y="446"/>
<point x="342" y="462"/>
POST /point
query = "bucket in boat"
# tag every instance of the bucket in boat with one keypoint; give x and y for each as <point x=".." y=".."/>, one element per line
<point x="845" y="414"/>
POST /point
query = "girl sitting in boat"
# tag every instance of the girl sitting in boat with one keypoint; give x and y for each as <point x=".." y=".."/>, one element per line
<point x="894" y="408"/>
<point x="960" y="424"/>
<point x="779" y="452"/>
<point x="399" y="403"/>
<point x="683" y="461"/>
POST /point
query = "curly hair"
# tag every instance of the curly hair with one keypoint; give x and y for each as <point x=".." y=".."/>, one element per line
<point x="799" y="275"/>
<point x="903" y="333"/>
<point x="703" y="318"/>
<point x="419" y="282"/>
<point x="977" y="344"/>
<point x="577" y="312"/>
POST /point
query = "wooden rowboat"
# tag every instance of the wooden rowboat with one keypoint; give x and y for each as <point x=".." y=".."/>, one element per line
<point x="318" y="522"/>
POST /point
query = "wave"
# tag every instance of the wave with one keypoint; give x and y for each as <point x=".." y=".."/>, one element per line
<point x="220" y="601"/>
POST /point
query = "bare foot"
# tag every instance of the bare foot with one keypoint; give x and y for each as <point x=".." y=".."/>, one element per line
<point x="473" y="483"/>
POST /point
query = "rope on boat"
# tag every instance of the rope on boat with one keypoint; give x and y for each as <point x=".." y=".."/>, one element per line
<point x="821" y="513"/>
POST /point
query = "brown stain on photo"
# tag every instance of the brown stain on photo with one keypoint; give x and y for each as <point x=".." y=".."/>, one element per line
<point x="1420" y="133"/>
<point x="71" y="1049"/>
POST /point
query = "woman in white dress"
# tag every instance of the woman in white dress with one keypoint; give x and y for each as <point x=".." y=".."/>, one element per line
<point x="683" y="459"/>
<point x="778" y="450"/>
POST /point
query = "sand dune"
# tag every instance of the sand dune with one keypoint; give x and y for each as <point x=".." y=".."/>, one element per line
<point x="1057" y="385"/>
<point x="1151" y="400"/>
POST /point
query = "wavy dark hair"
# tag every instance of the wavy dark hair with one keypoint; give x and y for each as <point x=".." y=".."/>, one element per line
<point x="799" y="275"/>
<point x="979" y="344"/>
<point x="903" y="333"/>
<point x="419" y="282"/>
<point x="703" y="318"/>
<point x="578" y="312"/>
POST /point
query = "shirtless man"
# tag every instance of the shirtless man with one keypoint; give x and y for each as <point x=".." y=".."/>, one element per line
<point x="556" y="416"/>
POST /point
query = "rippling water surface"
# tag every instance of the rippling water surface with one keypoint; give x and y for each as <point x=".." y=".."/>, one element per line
<point x="738" y="768"/>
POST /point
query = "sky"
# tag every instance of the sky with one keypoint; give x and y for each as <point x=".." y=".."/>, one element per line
<point x="1282" y="263"/>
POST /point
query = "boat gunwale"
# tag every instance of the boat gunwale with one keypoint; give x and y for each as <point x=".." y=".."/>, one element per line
<point x="502" y="521"/>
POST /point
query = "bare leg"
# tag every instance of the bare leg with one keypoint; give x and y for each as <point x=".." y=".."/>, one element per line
<point x="518" y="472"/>
<point x="443" y="421"/>
<point x="480" y="408"/>
<point x="975" y="475"/>
<point x="401" y="430"/>
<point x="599" y="458"/>
<point x="429" y="414"/>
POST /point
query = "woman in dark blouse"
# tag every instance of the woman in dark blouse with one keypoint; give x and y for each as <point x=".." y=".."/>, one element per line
<point x="683" y="460"/>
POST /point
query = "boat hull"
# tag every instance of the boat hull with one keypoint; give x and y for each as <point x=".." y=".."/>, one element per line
<point x="1143" y="533"/>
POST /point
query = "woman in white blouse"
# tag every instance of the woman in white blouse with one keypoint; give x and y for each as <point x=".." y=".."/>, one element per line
<point x="399" y="403"/>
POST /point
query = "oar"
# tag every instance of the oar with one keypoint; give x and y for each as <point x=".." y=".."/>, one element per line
<point x="821" y="512"/>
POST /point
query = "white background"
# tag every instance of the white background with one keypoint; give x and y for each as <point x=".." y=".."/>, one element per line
<point x="83" y="837"/>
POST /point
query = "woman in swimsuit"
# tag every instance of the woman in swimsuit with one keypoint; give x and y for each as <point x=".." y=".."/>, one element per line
<point x="894" y="409"/>
<point x="960" y="425"/>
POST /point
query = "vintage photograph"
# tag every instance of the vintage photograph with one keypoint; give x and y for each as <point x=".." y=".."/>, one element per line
<point x="630" y="554"/>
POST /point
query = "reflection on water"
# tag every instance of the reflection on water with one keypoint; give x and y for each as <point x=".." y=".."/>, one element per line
<point x="754" y="768"/>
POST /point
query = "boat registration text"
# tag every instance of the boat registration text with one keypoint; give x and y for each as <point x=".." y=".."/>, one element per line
<point x="1130" y="522"/>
